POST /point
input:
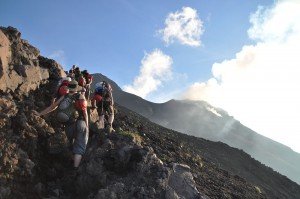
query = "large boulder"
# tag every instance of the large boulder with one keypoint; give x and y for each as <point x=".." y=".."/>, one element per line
<point x="181" y="183"/>
<point x="8" y="78"/>
<point x="22" y="69"/>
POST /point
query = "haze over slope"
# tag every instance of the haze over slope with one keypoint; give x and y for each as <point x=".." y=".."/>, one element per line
<point x="140" y="160"/>
<point x="202" y="120"/>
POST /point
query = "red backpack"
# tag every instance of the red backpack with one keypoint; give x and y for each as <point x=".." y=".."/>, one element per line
<point x="81" y="103"/>
<point x="64" y="83"/>
<point x="97" y="98"/>
<point x="63" y="90"/>
<point x="81" y="81"/>
<point x="88" y="78"/>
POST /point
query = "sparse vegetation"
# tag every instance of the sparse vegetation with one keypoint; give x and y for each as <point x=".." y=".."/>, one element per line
<point x="198" y="160"/>
<point x="132" y="135"/>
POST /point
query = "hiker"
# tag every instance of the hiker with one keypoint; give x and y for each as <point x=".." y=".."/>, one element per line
<point x="83" y="85"/>
<point x="71" y="74"/>
<point x="62" y="89"/>
<point x="76" y="128"/>
<point x="88" y="81"/>
<point x="77" y="73"/>
<point x="103" y="102"/>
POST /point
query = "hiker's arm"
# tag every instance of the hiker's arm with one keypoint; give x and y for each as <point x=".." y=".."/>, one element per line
<point x="53" y="100"/>
<point x="51" y="108"/>
<point x="112" y="99"/>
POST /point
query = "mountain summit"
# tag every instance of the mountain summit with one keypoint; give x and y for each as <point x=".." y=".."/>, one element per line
<point x="140" y="160"/>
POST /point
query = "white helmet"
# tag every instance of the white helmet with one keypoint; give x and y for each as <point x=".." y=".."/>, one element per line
<point x="66" y="79"/>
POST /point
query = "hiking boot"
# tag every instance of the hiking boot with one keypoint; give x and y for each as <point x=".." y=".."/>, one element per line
<point x="74" y="172"/>
<point x="110" y="129"/>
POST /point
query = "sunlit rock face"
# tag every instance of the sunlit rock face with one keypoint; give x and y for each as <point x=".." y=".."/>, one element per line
<point x="22" y="69"/>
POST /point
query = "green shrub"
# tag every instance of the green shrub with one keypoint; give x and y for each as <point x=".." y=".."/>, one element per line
<point x="132" y="135"/>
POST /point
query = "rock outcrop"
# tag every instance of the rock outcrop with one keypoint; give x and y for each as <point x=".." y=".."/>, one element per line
<point x="20" y="67"/>
<point x="22" y="73"/>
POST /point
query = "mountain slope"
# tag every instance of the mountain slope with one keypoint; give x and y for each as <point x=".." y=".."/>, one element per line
<point x="205" y="156"/>
<point x="140" y="160"/>
<point x="200" y="119"/>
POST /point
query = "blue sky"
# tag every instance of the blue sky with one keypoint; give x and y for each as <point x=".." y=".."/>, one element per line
<point x="112" y="38"/>
<point x="240" y="55"/>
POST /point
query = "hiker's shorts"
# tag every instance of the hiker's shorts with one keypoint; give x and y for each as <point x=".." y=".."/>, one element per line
<point x="78" y="132"/>
<point x="107" y="108"/>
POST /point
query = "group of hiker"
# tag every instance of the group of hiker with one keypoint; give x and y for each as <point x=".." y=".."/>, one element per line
<point x="72" y="99"/>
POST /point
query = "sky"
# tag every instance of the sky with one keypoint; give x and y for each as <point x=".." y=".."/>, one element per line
<point x="241" y="56"/>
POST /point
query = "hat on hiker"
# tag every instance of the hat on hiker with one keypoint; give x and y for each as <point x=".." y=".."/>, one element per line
<point x="73" y="86"/>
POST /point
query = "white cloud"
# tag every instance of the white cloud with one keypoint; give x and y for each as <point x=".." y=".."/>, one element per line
<point x="184" y="26"/>
<point x="58" y="56"/>
<point x="156" y="68"/>
<point x="261" y="85"/>
<point x="276" y="23"/>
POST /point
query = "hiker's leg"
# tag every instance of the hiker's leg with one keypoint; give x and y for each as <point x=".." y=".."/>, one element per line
<point x="70" y="129"/>
<point x="77" y="160"/>
<point x="101" y="121"/>
<point x="87" y="92"/>
<point x="111" y="115"/>
<point x="81" y="139"/>
<point x="110" y="120"/>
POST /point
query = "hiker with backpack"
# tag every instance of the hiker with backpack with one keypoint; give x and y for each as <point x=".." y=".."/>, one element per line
<point x="82" y="84"/>
<point x="71" y="74"/>
<point x="88" y="81"/>
<point x="77" y="73"/>
<point x="61" y="89"/>
<point x="72" y="112"/>
<point x="103" y="102"/>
